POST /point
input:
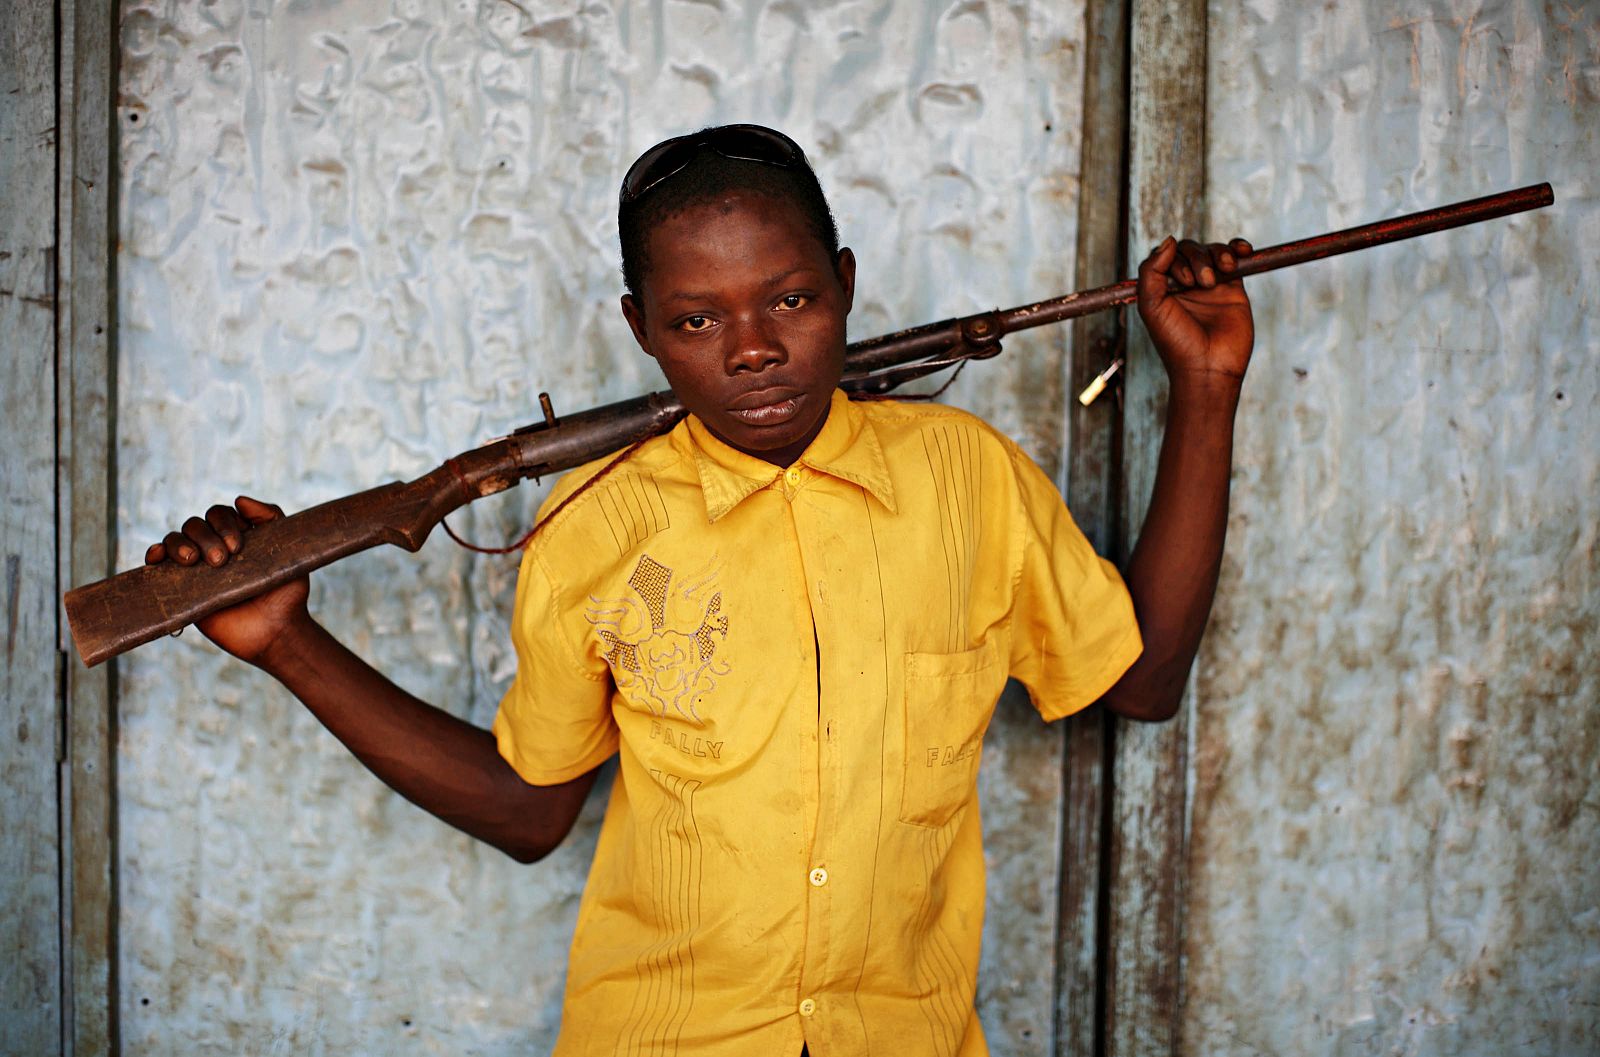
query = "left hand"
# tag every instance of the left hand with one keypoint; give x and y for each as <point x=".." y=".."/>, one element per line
<point x="1204" y="327"/>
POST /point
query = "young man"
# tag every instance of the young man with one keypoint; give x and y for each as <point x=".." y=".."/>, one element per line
<point x="792" y="617"/>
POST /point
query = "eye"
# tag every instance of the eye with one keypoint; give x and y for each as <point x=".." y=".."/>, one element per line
<point x="695" y="324"/>
<point x="790" y="302"/>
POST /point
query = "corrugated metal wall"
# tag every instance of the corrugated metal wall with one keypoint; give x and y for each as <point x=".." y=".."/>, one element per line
<point x="1394" y="797"/>
<point x="360" y="236"/>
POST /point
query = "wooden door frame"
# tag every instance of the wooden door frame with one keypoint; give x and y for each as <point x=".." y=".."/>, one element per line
<point x="87" y="45"/>
<point x="56" y="278"/>
<point x="1119" y="951"/>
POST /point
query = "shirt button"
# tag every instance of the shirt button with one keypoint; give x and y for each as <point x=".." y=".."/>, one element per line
<point x="808" y="1006"/>
<point x="792" y="475"/>
<point x="819" y="877"/>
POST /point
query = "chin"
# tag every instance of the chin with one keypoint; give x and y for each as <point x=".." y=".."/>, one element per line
<point x="765" y="440"/>
<point x="755" y="439"/>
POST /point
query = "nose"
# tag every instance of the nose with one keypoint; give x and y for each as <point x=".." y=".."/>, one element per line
<point x="754" y="347"/>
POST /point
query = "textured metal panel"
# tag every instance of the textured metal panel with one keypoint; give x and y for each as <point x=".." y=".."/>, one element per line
<point x="30" y="700"/>
<point x="360" y="236"/>
<point x="1395" y="822"/>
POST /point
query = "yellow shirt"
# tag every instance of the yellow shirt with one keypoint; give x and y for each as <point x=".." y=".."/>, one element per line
<point x="798" y="667"/>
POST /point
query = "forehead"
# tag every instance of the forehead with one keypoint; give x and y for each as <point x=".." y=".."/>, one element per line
<point x="734" y="229"/>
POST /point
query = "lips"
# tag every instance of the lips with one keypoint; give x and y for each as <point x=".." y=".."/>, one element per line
<point x="773" y="406"/>
<point x="768" y="397"/>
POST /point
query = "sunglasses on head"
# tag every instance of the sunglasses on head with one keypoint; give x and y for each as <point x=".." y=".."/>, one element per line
<point x="666" y="159"/>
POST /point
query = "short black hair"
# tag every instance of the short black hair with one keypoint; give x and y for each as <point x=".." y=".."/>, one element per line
<point x="707" y="177"/>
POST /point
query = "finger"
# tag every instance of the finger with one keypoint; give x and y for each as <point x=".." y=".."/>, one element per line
<point x="1200" y="265"/>
<point x="206" y="538"/>
<point x="1223" y="256"/>
<point x="1153" y="270"/>
<point x="255" y="511"/>
<point x="227" y="524"/>
<point x="1161" y="257"/>
<point x="1169" y="257"/>
<point x="1241" y="248"/>
<point x="155" y="554"/>
<point x="179" y="549"/>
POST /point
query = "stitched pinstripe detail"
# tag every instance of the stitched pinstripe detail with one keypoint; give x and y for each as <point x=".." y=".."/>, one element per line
<point x="956" y="471"/>
<point x="633" y="509"/>
<point x="664" y="994"/>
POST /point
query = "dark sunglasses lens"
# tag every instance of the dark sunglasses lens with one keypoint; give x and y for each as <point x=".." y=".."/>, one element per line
<point x="755" y="144"/>
<point x="740" y="142"/>
<point x="656" y="165"/>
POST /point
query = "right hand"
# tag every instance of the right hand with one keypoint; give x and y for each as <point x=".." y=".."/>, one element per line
<point x="249" y="629"/>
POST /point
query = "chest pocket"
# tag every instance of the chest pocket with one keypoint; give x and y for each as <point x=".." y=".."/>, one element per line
<point x="949" y="698"/>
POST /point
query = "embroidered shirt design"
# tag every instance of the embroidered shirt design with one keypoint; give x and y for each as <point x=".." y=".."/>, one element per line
<point x="661" y="642"/>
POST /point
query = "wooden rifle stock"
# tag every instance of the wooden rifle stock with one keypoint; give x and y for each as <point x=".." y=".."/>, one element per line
<point x="131" y="608"/>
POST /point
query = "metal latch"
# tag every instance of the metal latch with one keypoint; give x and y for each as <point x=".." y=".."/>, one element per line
<point x="1092" y="391"/>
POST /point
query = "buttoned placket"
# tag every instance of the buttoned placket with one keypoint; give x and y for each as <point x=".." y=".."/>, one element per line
<point x="830" y="504"/>
<point x="821" y="774"/>
<point x="790" y="480"/>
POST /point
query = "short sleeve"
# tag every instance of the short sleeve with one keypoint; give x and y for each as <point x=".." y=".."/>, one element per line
<point x="555" y="721"/>
<point x="1073" y="630"/>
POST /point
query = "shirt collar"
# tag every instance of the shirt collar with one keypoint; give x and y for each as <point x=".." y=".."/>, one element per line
<point x="847" y="448"/>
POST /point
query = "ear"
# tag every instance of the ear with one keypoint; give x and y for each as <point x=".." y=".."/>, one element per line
<point x="844" y="266"/>
<point x="634" y="314"/>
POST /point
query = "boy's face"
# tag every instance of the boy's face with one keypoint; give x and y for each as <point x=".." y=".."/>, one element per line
<point x="745" y="312"/>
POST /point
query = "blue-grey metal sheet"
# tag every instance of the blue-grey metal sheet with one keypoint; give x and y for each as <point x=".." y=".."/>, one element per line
<point x="30" y="674"/>
<point x="1395" y="816"/>
<point x="359" y="236"/>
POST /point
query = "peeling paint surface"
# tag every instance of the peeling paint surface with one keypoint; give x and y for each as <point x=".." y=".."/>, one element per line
<point x="1395" y="812"/>
<point x="30" y="679"/>
<point x="357" y="237"/>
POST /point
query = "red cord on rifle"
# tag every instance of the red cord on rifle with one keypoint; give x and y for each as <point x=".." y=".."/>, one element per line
<point x="523" y="542"/>
<point x="527" y="537"/>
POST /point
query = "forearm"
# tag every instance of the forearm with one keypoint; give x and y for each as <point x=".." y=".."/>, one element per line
<point x="440" y="763"/>
<point x="1172" y="574"/>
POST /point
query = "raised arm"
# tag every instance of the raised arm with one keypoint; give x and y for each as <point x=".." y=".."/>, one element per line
<point x="440" y="763"/>
<point x="1204" y="335"/>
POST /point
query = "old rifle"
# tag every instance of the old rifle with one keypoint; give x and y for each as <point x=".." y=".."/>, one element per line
<point x="131" y="608"/>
